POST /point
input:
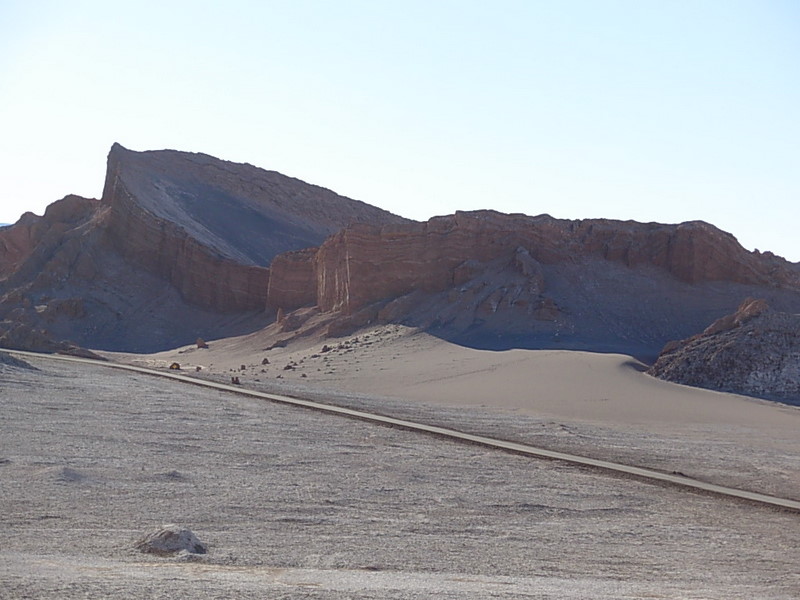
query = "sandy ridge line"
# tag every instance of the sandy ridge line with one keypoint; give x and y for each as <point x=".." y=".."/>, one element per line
<point x="524" y="449"/>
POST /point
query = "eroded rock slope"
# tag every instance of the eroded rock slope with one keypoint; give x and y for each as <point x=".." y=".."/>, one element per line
<point x="178" y="246"/>
<point x="494" y="280"/>
<point x="754" y="351"/>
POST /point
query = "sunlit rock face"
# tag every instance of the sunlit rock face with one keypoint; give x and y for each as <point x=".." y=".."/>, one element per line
<point x="362" y="264"/>
<point x="754" y="351"/>
<point x="498" y="280"/>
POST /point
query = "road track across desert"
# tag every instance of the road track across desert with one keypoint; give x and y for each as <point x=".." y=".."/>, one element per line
<point x="673" y="479"/>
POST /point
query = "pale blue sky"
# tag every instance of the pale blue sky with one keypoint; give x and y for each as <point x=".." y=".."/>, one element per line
<point x="655" y="111"/>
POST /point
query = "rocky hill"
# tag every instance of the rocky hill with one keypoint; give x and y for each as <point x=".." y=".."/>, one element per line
<point x="493" y="280"/>
<point x="754" y="351"/>
<point x="178" y="246"/>
<point x="185" y="245"/>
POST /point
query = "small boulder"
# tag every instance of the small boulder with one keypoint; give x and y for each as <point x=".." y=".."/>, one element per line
<point x="171" y="539"/>
<point x="175" y="367"/>
<point x="201" y="343"/>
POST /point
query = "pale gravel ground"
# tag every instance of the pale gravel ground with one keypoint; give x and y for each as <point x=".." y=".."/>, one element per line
<point x="295" y="504"/>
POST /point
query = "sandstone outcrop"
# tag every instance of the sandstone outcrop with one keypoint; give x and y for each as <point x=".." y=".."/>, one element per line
<point x="502" y="280"/>
<point x="211" y="228"/>
<point x="754" y="351"/>
<point x="184" y="246"/>
<point x="178" y="246"/>
<point x="363" y="264"/>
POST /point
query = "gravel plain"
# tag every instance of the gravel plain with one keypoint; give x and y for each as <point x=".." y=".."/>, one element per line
<point x="296" y="504"/>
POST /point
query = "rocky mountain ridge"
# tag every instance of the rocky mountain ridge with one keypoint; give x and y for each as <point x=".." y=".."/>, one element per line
<point x="495" y="280"/>
<point x="184" y="245"/>
<point x="178" y="246"/>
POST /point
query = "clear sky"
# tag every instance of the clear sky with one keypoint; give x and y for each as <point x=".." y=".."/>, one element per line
<point x="648" y="110"/>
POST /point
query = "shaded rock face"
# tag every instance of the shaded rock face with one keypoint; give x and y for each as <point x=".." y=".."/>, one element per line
<point x="171" y="539"/>
<point x="754" y="351"/>
<point x="292" y="281"/>
<point x="178" y="246"/>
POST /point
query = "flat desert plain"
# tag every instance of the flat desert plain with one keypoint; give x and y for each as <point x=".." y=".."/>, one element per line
<point x="297" y="504"/>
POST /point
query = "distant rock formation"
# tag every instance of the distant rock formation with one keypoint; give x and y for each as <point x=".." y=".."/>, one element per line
<point x="211" y="228"/>
<point x="754" y="351"/>
<point x="500" y="280"/>
<point x="179" y="246"/>
<point x="184" y="246"/>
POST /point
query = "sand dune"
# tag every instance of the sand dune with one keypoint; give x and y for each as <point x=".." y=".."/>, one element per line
<point x="602" y="405"/>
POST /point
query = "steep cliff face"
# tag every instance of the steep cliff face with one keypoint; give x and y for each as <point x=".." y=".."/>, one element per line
<point x="292" y="284"/>
<point x="179" y="246"/>
<point x="363" y="264"/>
<point x="211" y="227"/>
<point x="489" y="279"/>
<point x="201" y="274"/>
<point x="754" y="351"/>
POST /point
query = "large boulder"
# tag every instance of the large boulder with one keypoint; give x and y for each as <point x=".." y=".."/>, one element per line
<point x="171" y="539"/>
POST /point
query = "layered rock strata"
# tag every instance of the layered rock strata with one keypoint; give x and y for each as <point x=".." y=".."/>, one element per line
<point x="363" y="264"/>
<point x="178" y="246"/>
<point x="211" y="228"/>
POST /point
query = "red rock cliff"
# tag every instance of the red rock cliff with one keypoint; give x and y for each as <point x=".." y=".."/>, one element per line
<point x="203" y="277"/>
<point x="363" y="264"/>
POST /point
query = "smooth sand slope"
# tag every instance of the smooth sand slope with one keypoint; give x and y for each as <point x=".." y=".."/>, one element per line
<point x="600" y="405"/>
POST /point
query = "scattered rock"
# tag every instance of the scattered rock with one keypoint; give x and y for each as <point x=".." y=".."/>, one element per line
<point x="171" y="539"/>
<point x="201" y="343"/>
<point x="265" y="361"/>
<point x="235" y="381"/>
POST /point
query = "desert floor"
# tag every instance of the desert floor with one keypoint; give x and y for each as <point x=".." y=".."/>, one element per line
<point x="296" y="504"/>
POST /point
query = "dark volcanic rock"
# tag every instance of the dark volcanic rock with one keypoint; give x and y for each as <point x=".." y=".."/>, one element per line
<point x="754" y="351"/>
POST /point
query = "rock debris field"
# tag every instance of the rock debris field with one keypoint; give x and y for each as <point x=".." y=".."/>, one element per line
<point x="294" y="504"/>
